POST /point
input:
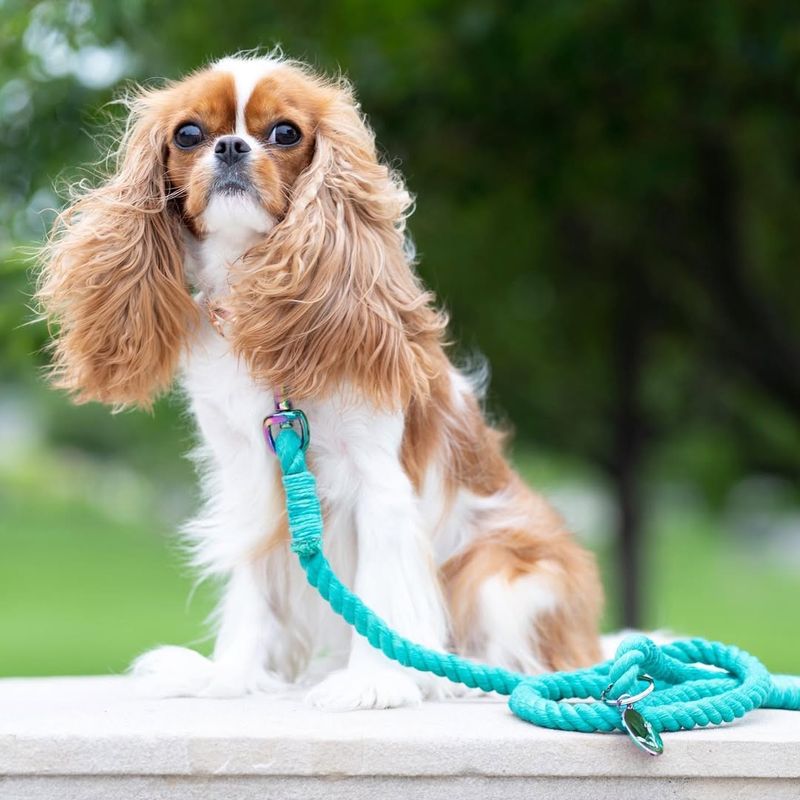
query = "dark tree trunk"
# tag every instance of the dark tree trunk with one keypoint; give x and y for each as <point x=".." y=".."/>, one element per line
<point x="750" y="329"/>
<point x="627" y="458"/>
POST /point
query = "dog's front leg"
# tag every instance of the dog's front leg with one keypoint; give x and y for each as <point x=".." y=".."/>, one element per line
<point x="395" y="576"/>
<point x="248" y="634"/>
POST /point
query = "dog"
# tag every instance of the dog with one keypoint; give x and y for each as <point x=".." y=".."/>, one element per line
<point x="249" y="241"/>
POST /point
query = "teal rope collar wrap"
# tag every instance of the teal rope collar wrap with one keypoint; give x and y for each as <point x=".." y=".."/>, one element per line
<point x="680" y="694"/>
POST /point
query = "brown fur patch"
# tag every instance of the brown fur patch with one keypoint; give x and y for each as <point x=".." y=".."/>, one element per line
<point x="563" y="639"/>
<point x="112" y="274"/>
<point x="453" y="426"/>
<point x="207" y="99"/>
<point x="284" y="96"/>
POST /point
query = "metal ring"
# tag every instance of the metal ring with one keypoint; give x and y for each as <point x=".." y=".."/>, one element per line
<point x="627" y="699"/>
<point x="286" y="418"/>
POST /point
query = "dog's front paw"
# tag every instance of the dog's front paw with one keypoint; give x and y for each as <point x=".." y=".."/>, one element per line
<point x="170" y="671"/>
<point x="180" y="672"/>
<point x="350" y="689"/>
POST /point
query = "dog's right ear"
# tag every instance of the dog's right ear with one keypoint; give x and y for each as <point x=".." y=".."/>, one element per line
<point x="111" y="275"/>
<point x="330" y="298"/>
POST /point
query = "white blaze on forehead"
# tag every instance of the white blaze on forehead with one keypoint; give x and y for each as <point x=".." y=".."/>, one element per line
<point x="233" y="223"/>
<point x="247" y="72"/>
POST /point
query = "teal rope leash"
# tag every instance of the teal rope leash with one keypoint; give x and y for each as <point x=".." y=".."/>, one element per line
<point x="678" y="693"/>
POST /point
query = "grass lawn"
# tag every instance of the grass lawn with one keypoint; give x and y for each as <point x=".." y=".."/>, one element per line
<point x="699" y="584"/>
<point x="83" y="589"/>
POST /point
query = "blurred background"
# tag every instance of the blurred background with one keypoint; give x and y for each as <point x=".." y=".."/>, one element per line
<point x="608" y="203"/>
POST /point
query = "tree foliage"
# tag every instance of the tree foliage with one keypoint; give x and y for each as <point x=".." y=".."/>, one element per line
<point x="607" y="194"/>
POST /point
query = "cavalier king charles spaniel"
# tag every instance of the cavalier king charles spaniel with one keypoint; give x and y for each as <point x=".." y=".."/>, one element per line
<point x="251" y="239"/>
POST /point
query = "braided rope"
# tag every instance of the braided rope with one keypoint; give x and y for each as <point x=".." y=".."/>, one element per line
<point x="685" y="696"/>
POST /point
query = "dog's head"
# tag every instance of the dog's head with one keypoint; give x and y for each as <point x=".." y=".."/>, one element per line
<point x="249" y="149"/>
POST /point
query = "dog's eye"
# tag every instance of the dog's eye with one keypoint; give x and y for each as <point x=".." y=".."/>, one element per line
<point x="188" y="136"/>
<point x="284" y="134"/>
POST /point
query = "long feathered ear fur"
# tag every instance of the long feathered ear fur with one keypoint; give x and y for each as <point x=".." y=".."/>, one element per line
<point x="330" y="299"/>
<point x="112" y="276"/>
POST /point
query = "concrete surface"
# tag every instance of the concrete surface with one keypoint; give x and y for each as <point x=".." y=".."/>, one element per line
<point x="81" y="738"/>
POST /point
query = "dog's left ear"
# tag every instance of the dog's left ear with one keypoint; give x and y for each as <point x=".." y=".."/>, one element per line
<point x="330" y="298"/>
<point x="112" y="275"/>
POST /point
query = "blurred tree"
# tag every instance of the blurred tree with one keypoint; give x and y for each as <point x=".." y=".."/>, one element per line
<point x="607" y="198"/>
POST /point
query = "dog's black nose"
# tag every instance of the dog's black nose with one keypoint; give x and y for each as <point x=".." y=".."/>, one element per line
<point x="231" y="149"/>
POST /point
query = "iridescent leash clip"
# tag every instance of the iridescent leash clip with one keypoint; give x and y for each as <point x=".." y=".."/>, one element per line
<point x="285" y="416"/>
<point x="636" y="726"/>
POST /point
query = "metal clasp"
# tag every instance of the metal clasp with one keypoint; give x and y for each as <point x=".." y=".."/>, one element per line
<point x="627" y="699"/>
<point x="286" y="417"/>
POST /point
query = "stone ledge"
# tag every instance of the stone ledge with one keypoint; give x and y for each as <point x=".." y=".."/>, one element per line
<point x="76" y="738"/>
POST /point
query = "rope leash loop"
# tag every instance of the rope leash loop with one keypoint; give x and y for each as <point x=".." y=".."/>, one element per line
<point x="685" y="696"/>
<point x="696" y="682"/>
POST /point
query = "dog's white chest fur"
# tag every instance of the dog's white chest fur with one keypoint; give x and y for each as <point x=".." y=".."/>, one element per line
<point x="271" y="622"/>
<point x="230" y="408"/>
<point x="238" y="470"/>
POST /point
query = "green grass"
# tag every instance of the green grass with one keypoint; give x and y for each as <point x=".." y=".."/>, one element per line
<point x="85" y="586"/>
<point x="82" y="591"/>
<point x="701" y="584"/>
